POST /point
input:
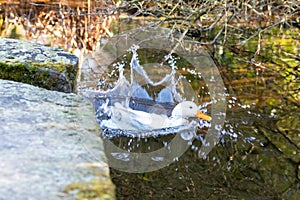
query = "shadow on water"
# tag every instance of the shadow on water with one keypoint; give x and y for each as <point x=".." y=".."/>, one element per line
<point x="258" y="156"/>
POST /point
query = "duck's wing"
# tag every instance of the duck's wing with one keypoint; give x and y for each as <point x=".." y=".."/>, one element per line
<point x="138" y="120"/>
<point x="129" y="112"/>
<point x="117" y="118"/>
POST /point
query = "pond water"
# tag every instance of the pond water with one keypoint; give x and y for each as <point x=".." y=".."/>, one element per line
<point x="258" y="153"/>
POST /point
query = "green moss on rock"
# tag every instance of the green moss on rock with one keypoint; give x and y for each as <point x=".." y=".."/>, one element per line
<point x="39" y="65"/>
<point x="92" y="190"/>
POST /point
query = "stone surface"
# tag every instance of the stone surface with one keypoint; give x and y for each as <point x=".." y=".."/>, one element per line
<point x="39" y="65"/>
<point x="49" y="146"/>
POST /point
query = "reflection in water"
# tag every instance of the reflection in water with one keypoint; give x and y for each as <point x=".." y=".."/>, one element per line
<point x="258" y="154"/>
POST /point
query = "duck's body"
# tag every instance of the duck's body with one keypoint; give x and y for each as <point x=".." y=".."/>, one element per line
<point x="129" y="119"/>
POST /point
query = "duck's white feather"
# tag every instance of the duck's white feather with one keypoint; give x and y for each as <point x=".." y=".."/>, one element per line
<point x="128" y="119"/>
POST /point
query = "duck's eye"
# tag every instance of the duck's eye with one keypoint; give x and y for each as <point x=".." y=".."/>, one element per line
<point x="191" y="107"/>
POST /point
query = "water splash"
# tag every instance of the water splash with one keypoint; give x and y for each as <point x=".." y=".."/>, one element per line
<point x="132" y="92"/>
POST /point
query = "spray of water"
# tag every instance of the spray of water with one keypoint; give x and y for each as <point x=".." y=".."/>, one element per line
<point x="130" y="92"/>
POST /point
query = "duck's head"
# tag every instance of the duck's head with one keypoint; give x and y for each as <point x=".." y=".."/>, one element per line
<point x="188" y="109"/>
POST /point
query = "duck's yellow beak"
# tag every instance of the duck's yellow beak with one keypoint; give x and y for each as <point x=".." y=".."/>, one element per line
<point x="203" y="116"/>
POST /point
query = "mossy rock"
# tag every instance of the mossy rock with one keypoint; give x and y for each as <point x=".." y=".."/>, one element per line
<point x="50" y="141"/>
<point x="98" y="188"/>
<point x="35" y="64"/>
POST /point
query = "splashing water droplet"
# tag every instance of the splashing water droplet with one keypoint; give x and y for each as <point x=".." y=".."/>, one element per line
<point x="133" y="94"/>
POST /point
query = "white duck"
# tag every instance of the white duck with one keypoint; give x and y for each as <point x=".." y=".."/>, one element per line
<point x="128" y="119"/>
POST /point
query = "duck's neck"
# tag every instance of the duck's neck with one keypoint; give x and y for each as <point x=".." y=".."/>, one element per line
<point x="178" y="112"/>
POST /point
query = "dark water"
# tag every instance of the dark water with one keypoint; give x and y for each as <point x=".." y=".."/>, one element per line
<point x="258" y="156"/>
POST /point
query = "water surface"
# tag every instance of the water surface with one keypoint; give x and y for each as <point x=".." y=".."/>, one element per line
<point x="259" y="150"/>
